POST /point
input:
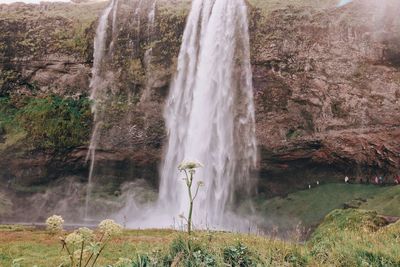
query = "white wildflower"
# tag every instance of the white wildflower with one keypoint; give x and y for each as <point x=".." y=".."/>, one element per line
<point x="86" y="233"/>
<point x="110" y="228"/>
<point x="74" y="239"/>
<point x="55" y="223"/>
<point x="189" y="165"/>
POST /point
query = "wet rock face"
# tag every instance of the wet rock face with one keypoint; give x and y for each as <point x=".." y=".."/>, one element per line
<point x="326" y="85"/>
<point x="326" y="89"/>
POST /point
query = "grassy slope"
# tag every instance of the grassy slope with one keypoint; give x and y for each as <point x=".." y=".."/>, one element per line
<point x="311" y="206"/>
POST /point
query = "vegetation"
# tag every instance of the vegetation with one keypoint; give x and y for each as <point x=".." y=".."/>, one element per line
<point x="50" y="122"/>
<point x="84" y="246"/>
<point x="64" y="27"/>
<point x="310" y="206"/>
<point x="271" y="5"/>
<point x="55" y="122"/>
<point x="345" y="238"/>
<point x="356" y="238"/>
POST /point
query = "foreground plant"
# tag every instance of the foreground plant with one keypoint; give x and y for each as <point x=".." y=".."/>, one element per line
<point x="54" y="224"/>
<point x="189" y="168"/>
<point x="84" y="246"/>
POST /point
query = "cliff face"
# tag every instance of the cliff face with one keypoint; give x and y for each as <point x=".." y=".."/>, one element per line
<point x="327" y="91"/>
<point x="326" y="86"/>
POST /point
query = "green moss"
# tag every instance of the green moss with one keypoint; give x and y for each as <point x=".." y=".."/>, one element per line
<point x="50" y="123"/>
<point x="56" y="123"/>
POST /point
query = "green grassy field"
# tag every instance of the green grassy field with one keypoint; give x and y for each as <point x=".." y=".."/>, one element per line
<point x="345" y="238"/>
<point x="351" y="237"/>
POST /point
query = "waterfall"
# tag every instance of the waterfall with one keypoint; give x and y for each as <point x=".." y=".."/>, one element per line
<point x="102" y="82"/>
<point x="97" y="87"/>
<point x="210" y="116"/>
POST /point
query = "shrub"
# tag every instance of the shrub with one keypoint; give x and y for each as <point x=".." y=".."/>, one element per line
<point x="238" y="256"/>
<point x="188" y="253"/>
<point x="296" y="259"/>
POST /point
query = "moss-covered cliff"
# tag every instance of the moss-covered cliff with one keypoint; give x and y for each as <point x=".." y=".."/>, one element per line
<point x="326" y="86"/>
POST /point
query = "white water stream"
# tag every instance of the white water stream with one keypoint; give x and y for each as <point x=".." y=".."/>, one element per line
<point x="96" y="86"/>
<point x="210" y="118"/>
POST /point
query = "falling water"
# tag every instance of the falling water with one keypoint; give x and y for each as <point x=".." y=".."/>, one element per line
<point x="102" y="78"/>
<point x="148" y="56"/>
<point x="344" y="2"/>
<point x="114" y="25"/>
<point x="210" y="114"/>
<point x="96" y="86"/>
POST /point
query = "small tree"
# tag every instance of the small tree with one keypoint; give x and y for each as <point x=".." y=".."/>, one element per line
<point x="189" y="168"/>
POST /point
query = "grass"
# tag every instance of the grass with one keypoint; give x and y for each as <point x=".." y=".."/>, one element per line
<point x="345" y="238"/>
<point x="310" y="206"/>
<point x="356" y="238"/>
<point x="37" y="247"/>
<point x="386" y="202"/>
<point x="268" y="6"/>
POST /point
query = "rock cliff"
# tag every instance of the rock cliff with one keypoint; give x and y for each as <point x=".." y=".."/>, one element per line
<point x="326" y="86"/>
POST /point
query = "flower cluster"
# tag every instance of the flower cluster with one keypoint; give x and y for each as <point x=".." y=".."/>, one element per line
<point x="74" y="238"/>
<point x="85" y="245"/>
<point x="189" y="165"/>
<point x="55" y="223"/>
<point x="110" y="228"/>
<point x="86" y="233"/>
